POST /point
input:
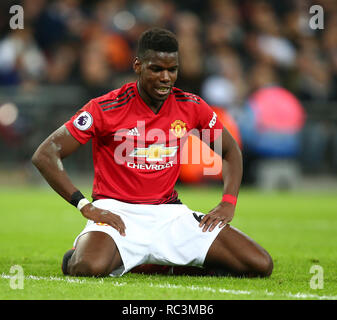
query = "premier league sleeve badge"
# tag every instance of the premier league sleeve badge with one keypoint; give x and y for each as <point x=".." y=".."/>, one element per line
<point x="83" y="121"/>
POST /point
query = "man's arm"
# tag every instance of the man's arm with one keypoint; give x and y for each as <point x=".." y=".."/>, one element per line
<point x="231" y="155"/>
<point x="48" y="160"/>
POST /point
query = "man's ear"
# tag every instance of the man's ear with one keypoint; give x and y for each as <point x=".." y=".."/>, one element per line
<point x="137" y="65"/>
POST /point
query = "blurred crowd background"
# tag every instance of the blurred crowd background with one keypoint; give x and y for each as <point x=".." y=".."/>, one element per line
<point x="70" y="51"/>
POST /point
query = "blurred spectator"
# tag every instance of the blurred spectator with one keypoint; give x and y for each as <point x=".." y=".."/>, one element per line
<point x="153" y="12"/>
<point x="329" y="47"/>
<point x="224" y="24"/>
<point x="266" y="42"/>
<point x="296" y="21"/>
<point x="314" y="77"/>
<point x="94" y="68"/>
<point x="55" y="21"/>
<point x="21" y="61"/>
<point x="270" y="123"/>
<point x="61" y="64"/>
<point x="225" y="86"/>
<point x="188" y="29"/>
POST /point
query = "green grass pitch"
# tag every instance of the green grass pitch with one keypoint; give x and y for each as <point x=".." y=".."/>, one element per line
<point x="297" y="228"/>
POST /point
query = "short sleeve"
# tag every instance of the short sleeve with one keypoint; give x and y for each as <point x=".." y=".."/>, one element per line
<point x="209" y="126"/>
<point x="85" y="123"/>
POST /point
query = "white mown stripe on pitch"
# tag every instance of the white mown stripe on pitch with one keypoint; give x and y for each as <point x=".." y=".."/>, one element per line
<point x="298" y="295"/>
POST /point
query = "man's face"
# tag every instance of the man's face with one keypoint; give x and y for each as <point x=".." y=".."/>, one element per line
<point x="157" y="73"/>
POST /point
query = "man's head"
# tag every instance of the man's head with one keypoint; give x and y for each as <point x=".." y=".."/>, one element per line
<point x="156" y="64"/>
<point x="156" y="39"/>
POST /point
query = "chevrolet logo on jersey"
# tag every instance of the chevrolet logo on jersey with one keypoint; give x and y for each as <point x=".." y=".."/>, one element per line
<point x="154" y="152"/>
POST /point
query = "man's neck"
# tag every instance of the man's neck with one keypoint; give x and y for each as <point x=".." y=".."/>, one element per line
<point x="152" y="104"/>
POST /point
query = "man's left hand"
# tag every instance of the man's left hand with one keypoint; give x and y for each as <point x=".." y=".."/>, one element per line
<point x="223" y="213"/>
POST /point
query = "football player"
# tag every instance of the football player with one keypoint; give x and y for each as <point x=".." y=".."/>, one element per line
<point x="136" y="217"/>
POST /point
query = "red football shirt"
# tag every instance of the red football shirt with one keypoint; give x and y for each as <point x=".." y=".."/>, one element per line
<point x="136" y="152"/>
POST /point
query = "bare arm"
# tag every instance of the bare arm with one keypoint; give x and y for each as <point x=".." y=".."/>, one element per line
<point x="231" y="155"/>
<point x="48" y="160"/>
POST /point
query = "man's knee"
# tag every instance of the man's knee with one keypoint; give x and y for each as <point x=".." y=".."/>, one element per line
<point x="261" y="267"/>
<point x="264" y="266"/>
<point x="88" y="268"/>
<point x="96" y="255"/>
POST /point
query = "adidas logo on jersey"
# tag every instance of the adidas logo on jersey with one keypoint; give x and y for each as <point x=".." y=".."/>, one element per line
<point x="133" y="132"/>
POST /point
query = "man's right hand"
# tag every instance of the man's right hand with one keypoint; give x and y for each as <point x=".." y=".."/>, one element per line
<point x="97" y="215"/>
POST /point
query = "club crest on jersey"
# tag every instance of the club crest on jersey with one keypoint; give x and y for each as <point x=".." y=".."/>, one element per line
<point x="178" y="128"/>
<point x="83" y="121"/>
<point x="154" y="152"/>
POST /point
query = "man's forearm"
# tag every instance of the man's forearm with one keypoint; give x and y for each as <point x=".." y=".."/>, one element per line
<point x="51" y="168"/>
<point x="232" y="170"/>
<point x="48" y="160"/>
<point x="232" y="167"/>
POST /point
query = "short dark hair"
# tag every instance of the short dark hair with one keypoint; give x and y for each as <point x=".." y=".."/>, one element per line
<point x="157" y="39"/>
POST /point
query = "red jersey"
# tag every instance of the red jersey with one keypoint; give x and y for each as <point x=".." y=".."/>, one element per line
<point x="136" y="153"/>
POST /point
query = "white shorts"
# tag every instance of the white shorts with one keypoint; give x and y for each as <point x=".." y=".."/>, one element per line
<point x="166" y="234"/>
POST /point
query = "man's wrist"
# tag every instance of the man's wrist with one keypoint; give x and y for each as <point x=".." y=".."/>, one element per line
<point x="229" y="198"/>
<point x="78" y="200"/>
<point x="82" y="203"/>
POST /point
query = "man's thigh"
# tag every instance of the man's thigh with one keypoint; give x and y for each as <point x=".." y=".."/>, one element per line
<point x="238" y="253"/>
<point x="96" y="251"/>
